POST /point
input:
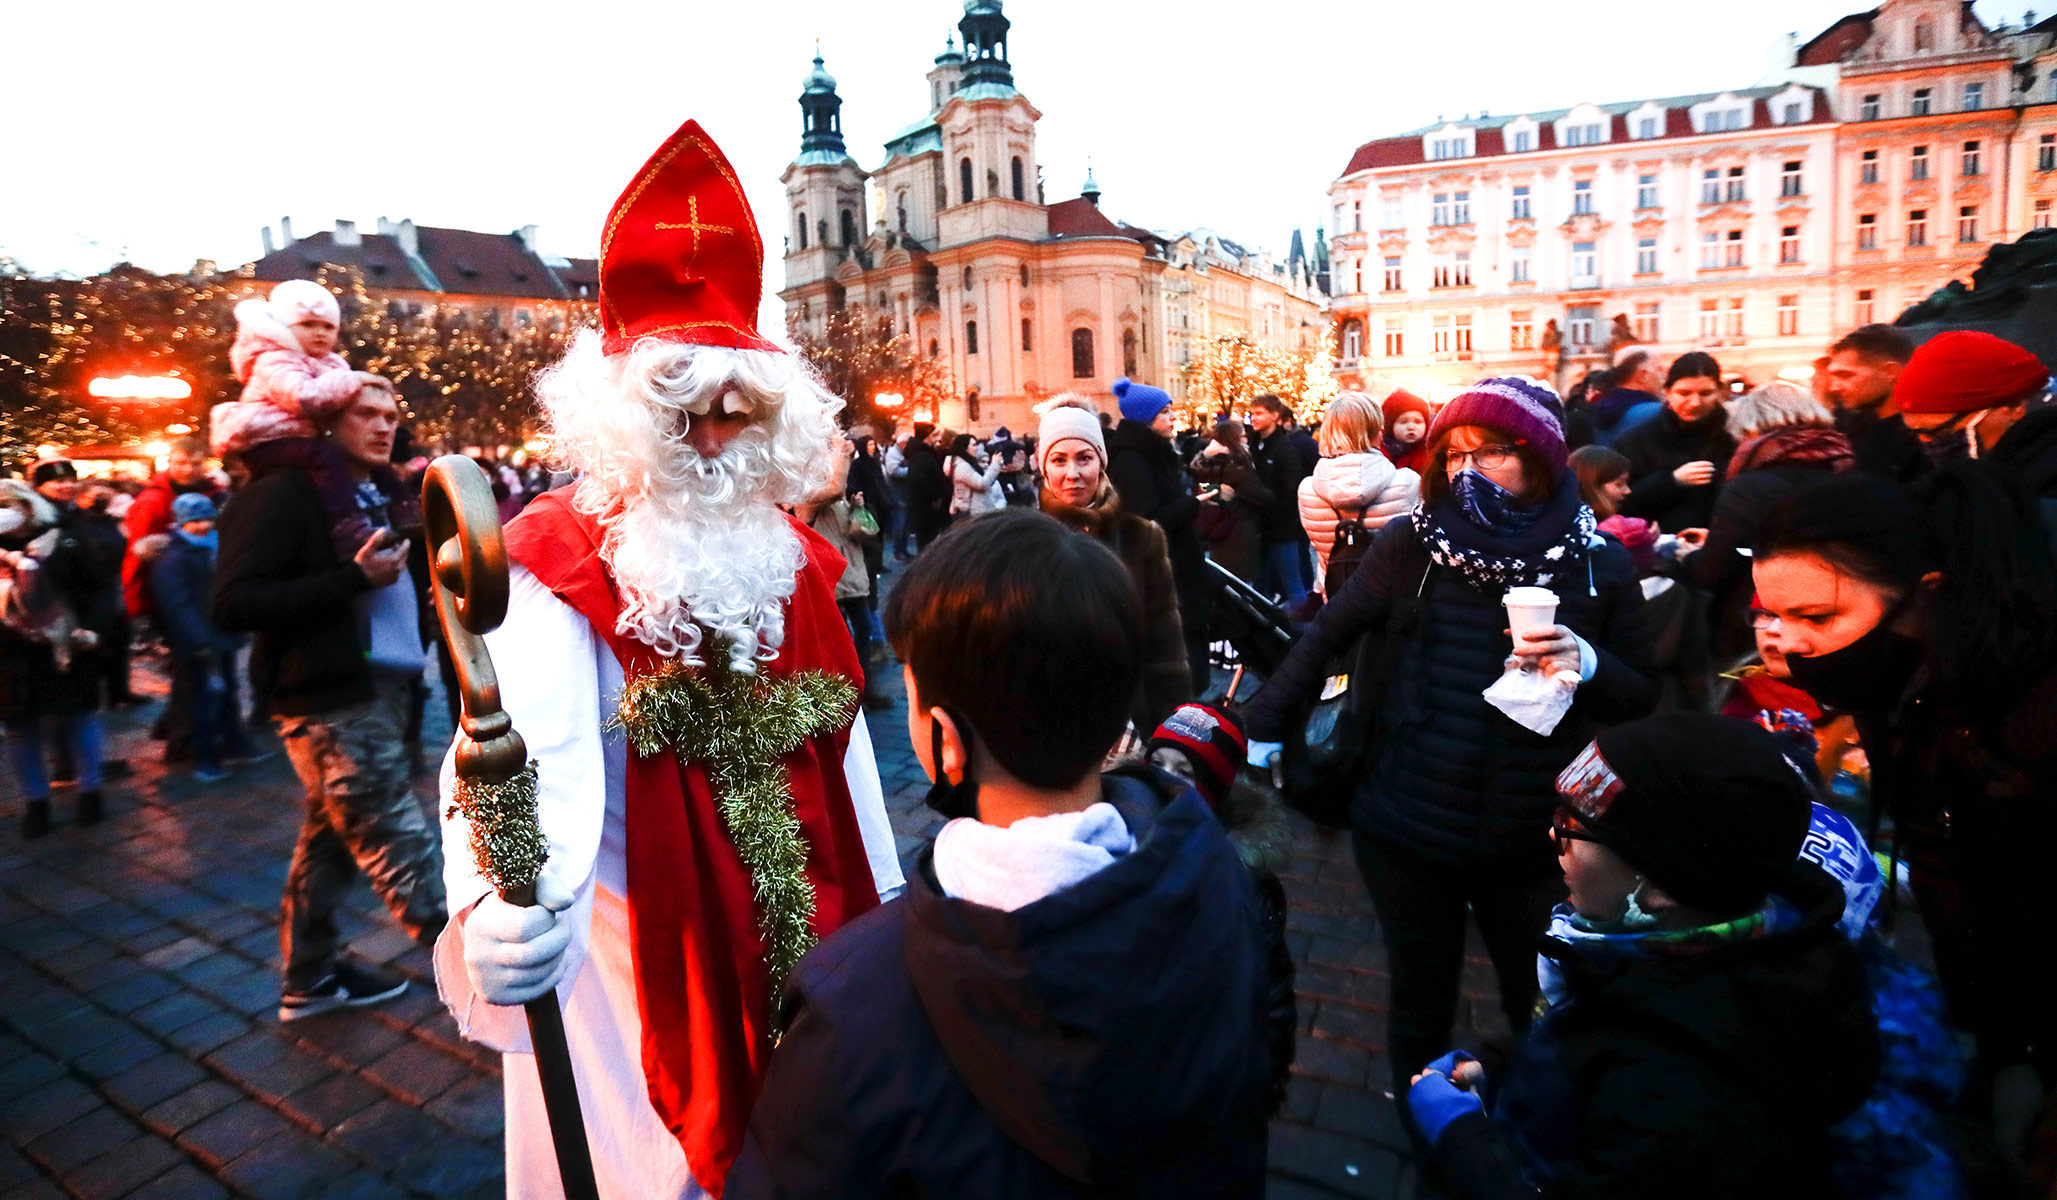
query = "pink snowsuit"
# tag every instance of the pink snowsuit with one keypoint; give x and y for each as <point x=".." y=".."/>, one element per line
<point x="286" y="391"/>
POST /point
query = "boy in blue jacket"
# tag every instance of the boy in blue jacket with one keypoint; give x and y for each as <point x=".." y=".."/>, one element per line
<point x="1068" y="999"/>
<point x="203" y="657"/>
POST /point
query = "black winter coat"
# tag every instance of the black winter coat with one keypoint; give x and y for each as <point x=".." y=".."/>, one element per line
<point x="1281" y="467"/>
<point x="1144" y="467"/>
<point x="31" y="686"/>
<point x="928" y="492"/>
<point x="278" y="576"/>
<point x="2029" y="451"/>
<point x="1709" y="1074"/>
<point x="1719" y="569"/>
<point x="1452" y="778"/>
<point x="1885" y="446"/>
<point x="181" y="586"/>
<point x="1662" y="445"/>
<point x="101" y="534"/>
<point x="1106" y="1040"/>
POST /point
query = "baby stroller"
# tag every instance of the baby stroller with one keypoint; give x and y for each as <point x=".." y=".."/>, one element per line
<point x="1246" y="631"/>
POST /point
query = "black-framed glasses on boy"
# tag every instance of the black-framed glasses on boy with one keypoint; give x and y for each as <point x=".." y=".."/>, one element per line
<point x="1485" y="458"/>
<point x="1564" y="828"/>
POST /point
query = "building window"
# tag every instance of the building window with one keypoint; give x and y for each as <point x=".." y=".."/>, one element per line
<point x="1024" y="274"/>
<point x="1646" y="191"/>
<point x="1353" y="343"/>
<point x="1338" y="227"/>
<point x="1792" y="114"/>
<point x="1864" y="306"/>
<point x="901" y="202"/>
<point x="1970" y="161"/>
<point x="1439" y="334"/>
<point x="1867" y="231"/>
<point x="1921" y="103"/>
<point x="1710" y="186"/>
<point x="1027" y="335"/>
<point x="1710" y="250"/>
<point x="1357" y="216"/>
<point x="1082" y="354"/>
<point x="1582" y="320"/>
<point x="964" y="181"/>
<point x="1917" y="163"/>
<point x="1585" y="265"/>
<point x="1460" y="209"/>
<point x="1439" y="271"/>
<point x="1517" y="265"/>
<point x="1646" y="127"/>
<point x="2041" y="218"/>
<point x="1924" y="35"/>
<point x="967" y="279"/>
<point x="935" y="348"/>
<point x="1392" y="217"/>
<point x="800" y="219"/>
<point x="1789" y="244"/>
<point x="1521" y="330"/>
<point x="1974" y="96"/>
<point x="1867" y="167"/>
<point x="1917" y="227"/>
<point x="1128" y="352"/>
<point x="1732" y="319"/>
<point x="1395" y="341"/>
<point x="1646" y="321"/>
<point x="1462" y="330"/>
<point x="1788" y="316"/>
<point x="1520" y="210"/>
<point x="1735" y="185"/>
<point x="1582" y="135"/>
<point x="1710" y="320"/>
<point x="2046" y="151"/>
<point x="1582" y="196"/>
<point x="1646" y="256"/>
<point x="1439" y="209"/>
<point x="1524" y="141"/>
<point x="849" y="223"/>
<point x="1967" y="223"/>
<point x="1020" y="185"/>
<point x="1356" y="277"/>
<point x="1789" y="180"/>
<point x="1461" y="273"/>
<point x="1869" y="111"/>
<point x="1393" y="281"/>
<point x="971" y="337"/>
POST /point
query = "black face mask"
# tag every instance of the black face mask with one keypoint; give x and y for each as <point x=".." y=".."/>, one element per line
<point x="1948" y="443"/>
<point x="1868" y="675"/>
<point x="952" y="800"/>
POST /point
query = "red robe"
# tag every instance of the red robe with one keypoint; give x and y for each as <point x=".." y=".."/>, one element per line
<point x="701" y="979"/>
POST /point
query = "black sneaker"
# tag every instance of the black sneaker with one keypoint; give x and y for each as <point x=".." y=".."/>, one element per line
<point x="349" y="986"/>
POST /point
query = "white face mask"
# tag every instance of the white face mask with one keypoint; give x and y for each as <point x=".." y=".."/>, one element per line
<point x="11" y="519"/>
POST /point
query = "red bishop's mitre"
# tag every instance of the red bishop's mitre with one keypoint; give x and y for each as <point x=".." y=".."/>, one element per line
<point x="680" y="259"/>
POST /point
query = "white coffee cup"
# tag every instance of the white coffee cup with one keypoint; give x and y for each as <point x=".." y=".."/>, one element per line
<point x="1530" y="608"/>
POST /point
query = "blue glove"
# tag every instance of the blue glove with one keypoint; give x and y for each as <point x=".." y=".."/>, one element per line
<point x="1435" y="1101"/>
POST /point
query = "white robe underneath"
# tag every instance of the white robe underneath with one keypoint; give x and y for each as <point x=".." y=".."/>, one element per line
<point x="557" y="681"/>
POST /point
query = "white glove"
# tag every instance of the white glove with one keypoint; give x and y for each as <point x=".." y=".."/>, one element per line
<point x="1262" y="754"/>
<point x="514" y="954"/>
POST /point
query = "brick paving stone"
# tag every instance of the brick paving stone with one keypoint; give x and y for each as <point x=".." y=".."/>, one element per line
<point x="474" y="1107"/>
<point x="289" y="1166"/>
<point x="1361" y="1113"/>
<point x="417" y="1072"/>
<point x="131" y="1047"/>
<point x="124" y="1168"/>
<point x="14" y="1169"/>
<point x="153" y="1080"/>
<point x="231" y="1132"/>
<point x="134" y="989"/>
<point x="183" y="1182"/>
<point x="386" y="1132"/>
<point x="82" y="1140"/>
<point x="1352" y="1022"/>
<point x="275" y="1080"/>
<point x="87" y="1029"/>
<point x="329" y="1102"/>
<point x="452" y="1166"/>
<point x="173" y="1012"/>
<point x="42" y="1109"/>
<point x="363" y="1184"/>
<point x="1332" y="1061"/>
<point x="173" y="955"/>
<point x="1347" y="1165"/>
<point x="190" y="1107"/>
<point x="351" y="1034"/>
<point x="29" y="1071"/>
<point x="208" y="1032"/>
<point x="36" y="1189"/>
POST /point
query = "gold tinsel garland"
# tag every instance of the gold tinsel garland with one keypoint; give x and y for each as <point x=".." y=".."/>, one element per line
<point x="506" y="830"/>
<point x="741" y="726"/>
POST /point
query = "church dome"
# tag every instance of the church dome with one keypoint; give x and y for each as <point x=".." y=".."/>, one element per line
<point x="981" y="6"/>
<point x="818" y="80"/>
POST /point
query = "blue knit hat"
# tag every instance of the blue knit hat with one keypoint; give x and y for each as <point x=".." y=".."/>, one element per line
<point x="1528" y="410"/>
<point x="192" y="506"/>
<point x="1139" y="401"/>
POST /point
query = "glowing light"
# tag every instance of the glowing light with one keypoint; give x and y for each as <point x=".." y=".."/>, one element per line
<point x="178" y="430"/>
<point x="139" y="387"/>
<point x="1796" y="374"/>
<point x="537" y="445"/>
<point x="157" y="450"/>
<point x="49" y="450"/>
<point x="888" y="400"/>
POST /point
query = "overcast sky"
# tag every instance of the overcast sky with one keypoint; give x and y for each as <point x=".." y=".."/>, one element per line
<point x="166" y="132"/>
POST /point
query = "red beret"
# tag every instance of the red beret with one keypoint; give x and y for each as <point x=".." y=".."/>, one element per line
<point x="1964" y="371"/>
<point x="1404" y="401"/>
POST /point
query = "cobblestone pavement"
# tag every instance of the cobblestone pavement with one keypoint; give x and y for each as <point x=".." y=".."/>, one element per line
<point x="140" y="1054"/>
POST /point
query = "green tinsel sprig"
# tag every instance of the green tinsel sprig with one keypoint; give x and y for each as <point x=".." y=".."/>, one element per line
<point x="741" y="727"/>
<point x="506" y="829"/>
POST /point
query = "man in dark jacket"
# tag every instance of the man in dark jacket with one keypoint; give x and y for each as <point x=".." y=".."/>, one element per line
<point x="1863" y="372"/>
<point x="338" y="642"/>
<point x="1151" y="479"/>
<point x="1632" y="397"/>
<point x="928" y="491"/>
<point x="1281" y="468"/>
<point x="1072" y="1012"/>
<point x="1706" y="1021"/>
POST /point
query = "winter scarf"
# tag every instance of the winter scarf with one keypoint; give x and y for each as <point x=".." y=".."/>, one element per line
<point x="1492" y="561"/>
<point x="1795" y="444"/>
<point x="1602" y="946"/>
<point x="1011" y="867"/>
<point x="1411" y="456"/>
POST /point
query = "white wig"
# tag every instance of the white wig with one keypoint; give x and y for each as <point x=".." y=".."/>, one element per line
<point x="696" y="545"/>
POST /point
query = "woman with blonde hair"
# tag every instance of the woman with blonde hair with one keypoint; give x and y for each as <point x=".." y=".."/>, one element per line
<point x="1355" y="489"/>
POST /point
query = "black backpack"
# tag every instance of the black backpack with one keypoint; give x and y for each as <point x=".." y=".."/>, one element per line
<point x="1353" y="542"/>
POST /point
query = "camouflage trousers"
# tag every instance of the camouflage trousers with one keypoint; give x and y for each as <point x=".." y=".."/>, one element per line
<point x="362" y="815"/>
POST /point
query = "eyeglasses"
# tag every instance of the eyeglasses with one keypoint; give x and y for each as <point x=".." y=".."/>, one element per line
<point x="1485" y="458"/>
<point x="1564" y="828"/>
<point x="1764" y="621"/>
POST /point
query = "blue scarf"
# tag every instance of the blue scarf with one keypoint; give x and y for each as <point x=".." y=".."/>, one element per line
<point x="1495" y="544"/>
<point x="209" y="541"/>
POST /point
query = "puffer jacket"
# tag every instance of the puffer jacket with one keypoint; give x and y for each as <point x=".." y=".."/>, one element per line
<point x="286" y="391"/>
<point x="1364" y="485"/>
<point x="973" y="491"/>
<point x="1452" y="778"/>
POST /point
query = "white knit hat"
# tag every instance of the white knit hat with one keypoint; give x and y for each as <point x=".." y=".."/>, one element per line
<point x="296" y="300"/>
<point x="1066" y="422"/>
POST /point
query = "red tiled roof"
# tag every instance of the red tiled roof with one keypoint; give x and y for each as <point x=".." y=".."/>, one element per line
<point x="1831" y="44"/>
<point x="1080" y="218"/>
<point x="463" y="261"/>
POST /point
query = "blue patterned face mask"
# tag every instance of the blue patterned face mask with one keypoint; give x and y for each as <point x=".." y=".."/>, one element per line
<point x="1490" y="506"/>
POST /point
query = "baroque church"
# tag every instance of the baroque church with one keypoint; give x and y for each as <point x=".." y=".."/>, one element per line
<point x="953" y="243"/>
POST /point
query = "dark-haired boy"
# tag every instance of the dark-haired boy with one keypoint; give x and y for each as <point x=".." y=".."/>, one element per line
<point x="1068" y="998"/>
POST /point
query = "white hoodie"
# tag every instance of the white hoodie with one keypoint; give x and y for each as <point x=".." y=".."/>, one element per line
<point x="1364" y="485"/>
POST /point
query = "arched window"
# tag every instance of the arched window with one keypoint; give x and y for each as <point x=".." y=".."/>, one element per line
<point x="1082" y="354"/>
<point x="800" y="219"/>
<point x="821" y="231"/>
<point x="964" y="180"/>
<point x="992" y="182"/>
<point x="901" y="200"/>
<point x="935" y="348"/>
<point x="1027" y="339"/>
<point x="1353" y="341"/>
<point x="971" y="337"/>
<point x="1924" y="35"/>
<point x="1024" y="274"/>
<point x="1020" y="188"/>
<point x="1128" y="353"/>
<point x="849" y="228"/>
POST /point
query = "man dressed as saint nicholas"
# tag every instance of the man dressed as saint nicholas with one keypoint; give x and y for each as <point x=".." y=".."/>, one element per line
<point x="674" y="657"/>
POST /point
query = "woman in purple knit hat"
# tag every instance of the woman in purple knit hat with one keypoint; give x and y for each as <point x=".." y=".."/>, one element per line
<point x="1452" y="814"/>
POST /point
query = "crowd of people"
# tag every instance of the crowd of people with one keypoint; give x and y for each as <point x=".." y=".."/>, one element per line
<point x="1672" y="688"/>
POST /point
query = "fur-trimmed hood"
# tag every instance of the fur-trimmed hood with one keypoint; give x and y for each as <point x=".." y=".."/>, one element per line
<point x="257" y="332"/>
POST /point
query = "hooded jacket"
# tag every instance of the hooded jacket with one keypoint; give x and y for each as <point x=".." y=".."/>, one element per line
<point x="1106" y="1040"/>
<point x="1714" y="1069"/>
<point x="1621" y="410"/>
<point x="286" y="391"/>
<point x="1365" y="486"/>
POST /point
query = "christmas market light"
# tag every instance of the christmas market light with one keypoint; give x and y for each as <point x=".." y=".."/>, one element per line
<point x="888" y="401"/>
<point x="139" y="387"/>
<point x="157" y="449"/>
<point x="178" y="430"/>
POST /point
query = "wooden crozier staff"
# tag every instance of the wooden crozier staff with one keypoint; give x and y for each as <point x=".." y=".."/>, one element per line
<point x="496" y="782"/>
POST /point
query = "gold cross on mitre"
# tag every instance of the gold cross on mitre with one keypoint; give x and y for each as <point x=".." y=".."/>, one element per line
<point x="692" y="222"/>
